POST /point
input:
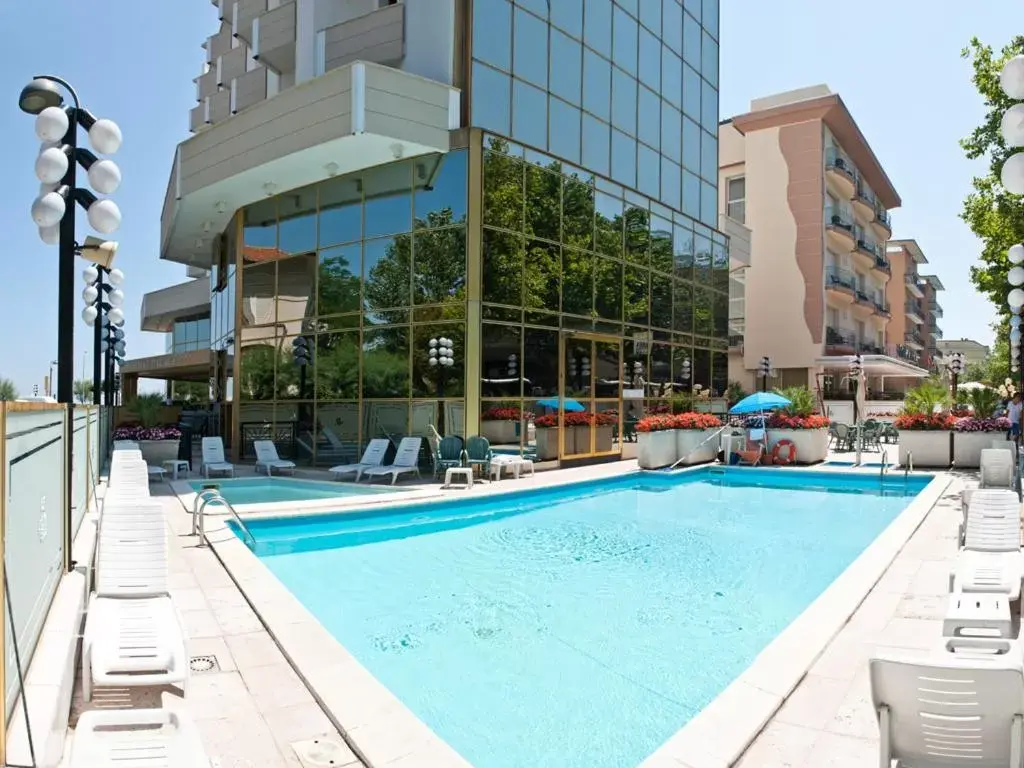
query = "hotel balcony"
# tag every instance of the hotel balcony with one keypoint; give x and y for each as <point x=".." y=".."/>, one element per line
<point x="840" y="173"/>
<point x="868" y="348"/>
<point x="231" y="65"/>
<point x="882" y="223"/>
<point x="863" y="304"/>
<point x="377" y="36"/>
<point x="354" y="117"/>
<point x="250" y="88"/>
<point x="866" y="252"/>
<point x="740" y="238"/>
<point x="273" y="33"/>
<point x="218" y="44"/>
<point x="736" y="342"/>
<point x="197" y="117"/>
<point x="913" y="340"/>
<point x="882" y="263"/>
<point x="904" y="352"/>
<point x="934" y="330"/>
<point x="914" y="311"/>
<point x="882" y="309"/>
<point x="840" y="284"/>
<point x="839" y="228"/>
<point x="161" y="308"/>
<point x="206" y="84"/>
<point x="840" y="342"/>
<point x="912" y="279"/>
<point x="935" y="308"/>
<point x="864" y="202"/>
<point x="243" y="14"/>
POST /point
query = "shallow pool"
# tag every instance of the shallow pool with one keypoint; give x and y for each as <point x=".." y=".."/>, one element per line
<point x="578" y="627"/>
<point x="264" y="490"/>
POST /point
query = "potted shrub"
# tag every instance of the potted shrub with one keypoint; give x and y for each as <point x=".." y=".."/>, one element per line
<point x="799" y="423"/>
<point x="656" y="441"/>
<point x="972" y="435"/>
<point x="500" y="424"/>
<point x="157" y="443"/>
<point x="547" y="434"/>
<point x="693" y="437"/>
<point x="924" y="425"/>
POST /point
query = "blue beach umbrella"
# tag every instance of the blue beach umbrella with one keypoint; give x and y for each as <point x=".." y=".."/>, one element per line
<point x="760" y="401"/>
<point x="569" y="405"/>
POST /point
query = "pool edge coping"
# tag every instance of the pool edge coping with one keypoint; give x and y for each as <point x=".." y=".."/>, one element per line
<point x="719" y="735"/>
<point x="381" y="729"/>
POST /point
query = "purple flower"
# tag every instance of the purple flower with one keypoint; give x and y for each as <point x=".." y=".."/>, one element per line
<point x="147" y="433"/>
<point x="971" y="424"/>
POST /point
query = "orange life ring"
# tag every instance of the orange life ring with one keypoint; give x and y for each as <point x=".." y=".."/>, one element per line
<point x="790" y="454"/>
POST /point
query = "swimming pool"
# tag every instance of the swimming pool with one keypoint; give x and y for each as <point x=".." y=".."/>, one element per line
<point x="265" y="490"/>
<point x="581" y="625"/>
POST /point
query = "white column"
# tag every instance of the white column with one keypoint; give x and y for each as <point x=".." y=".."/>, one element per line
<point x="305" y="40"/>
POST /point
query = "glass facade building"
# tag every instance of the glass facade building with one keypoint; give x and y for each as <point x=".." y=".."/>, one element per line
<point x="566" y="245"/>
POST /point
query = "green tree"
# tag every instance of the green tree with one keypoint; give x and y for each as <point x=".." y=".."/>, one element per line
<point x="83" y="390"/>
<point x="993" y="214"/>
<point x="7" y="390"/>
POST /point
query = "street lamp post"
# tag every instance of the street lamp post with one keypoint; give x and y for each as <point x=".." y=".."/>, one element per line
<point x="956" y="367"/>
<point x="856" y="368"/>
<point x="54" y="210"/>
<point x="765" y="369"/>
<point x="103" y="301"/>
<point x="440" y="356"/>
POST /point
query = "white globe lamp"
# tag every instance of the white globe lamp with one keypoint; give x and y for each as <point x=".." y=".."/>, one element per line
<point x="1011" y="126"/>
<point x="51" y="165"/>
<point x="116" y="298"/>
<point x="1015" y="299"/>
<point x="1011" y="78"/>
<point x="116" y="316"/>
<point x="90" y="294"/>
<point x="48" y="209"/>
<point x="51" y="124"/>
<point x="1012" y="174"/>
<point x="104" y="216"/>
<point x="90" y="275"/>
<point x="116" y="278"/>
<point x="50" y="235"/>
<point x="104" y="176"/>
<point x="105" y="136"/>
<point x="89" y="315"/>
<point x="1016" y="275"/>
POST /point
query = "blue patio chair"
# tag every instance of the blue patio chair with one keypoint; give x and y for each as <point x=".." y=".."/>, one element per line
<point x="478" y="454"/>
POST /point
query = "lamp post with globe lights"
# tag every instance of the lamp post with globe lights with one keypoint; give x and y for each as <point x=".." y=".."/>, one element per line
<point x="765" y="370"/>
<point x="856" y="370"/>
<point x="440" y="357"/>
<point x="54" y="209"/>
<point x="101" y="297"/>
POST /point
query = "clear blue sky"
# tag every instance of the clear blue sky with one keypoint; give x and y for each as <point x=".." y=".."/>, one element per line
<point x="901" y="77"/>
<point x="897" y="65"/>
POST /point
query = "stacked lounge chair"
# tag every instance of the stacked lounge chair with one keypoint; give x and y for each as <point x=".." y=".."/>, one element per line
<point x="133" y="633"/>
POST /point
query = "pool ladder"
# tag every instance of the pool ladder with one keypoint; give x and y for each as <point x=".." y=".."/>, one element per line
<point x="213" y="496"/>
<point x="885" y="459"/>
<point x="699" y="445"/>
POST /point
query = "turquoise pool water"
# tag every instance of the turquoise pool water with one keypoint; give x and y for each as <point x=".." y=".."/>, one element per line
<point x="578" y="627"/>
<point x="263" y="490"/>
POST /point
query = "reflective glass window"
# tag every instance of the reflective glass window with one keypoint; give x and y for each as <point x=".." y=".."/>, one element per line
<point x="691" y="41"/>
<point x="709" y="59"/>
<point x="541" y="275"/>
<point x="671" y="133"/>
<point x="296" y="289"/>
<point x="691" y="194"/>
<point x="672" y="25"/>
<point x="540" y="367"/>
<point x="703" y="323"/>
<point x="501" y="359"/>
<point x="682" y="250"/>
<point x="568" y="14"/>
<point x="566" y="67"/>
<point x="648" y="170"/>
<point x="492" y="32"/>
<point x="437" y="380"/>
<point x="339" y="279"/>
<point x="597" y="26"/>
<point x="708" y="203"/>
<point x="608" y="224"/>
<point x="710" y="17"/>
<point x="624" y="41"/>
<point x="492" y="97"/>
<point x="578" y="274"/>
<point x="503" y="267"/>
<point x="650" y="15"/>
<point x="649" y="118"/>
<point x="720" y="314"/>
<point x="530" y="57"/>
<point x="661" y="244"/>
<point x="341" y="211"/>
<point x="387" y="273"/>
<point x="637" y="234"/>
<point x="256" y="374"/>
<point x="608" y="288"/>
<point x="623" y="158"/>
<point x="386" y="363"/>
<point x="440" y="182"/>
<point x="564" y="130"/>
<point x="661" y="301"/>
<point x="297" y="222"/>
<point x="388" y="206"/>
<point x="543" y="202"/>
<point x="671" y="183"/>
<point x="577" y="213"/>
<point x="623" y="101"/>
<point x="636" y="295"/>
<point x="708" y="106"/>
<point x="702" y="368"/>
<point x="650" y="60"/>
<point x="691" y="92"/>
<point x="596" y="145"/>
<point x="259" y="230"/>
<point x="258" y="291"/>
<point x="539" y="7"/>
<point x="630" y="6"/>
<point x="693" y="7"/>
<point x="439" y="266"/>
<point x="682" y="307"/>
<point x="503" y="191"/>
<point x="529" y="115"/>
<point x="708" y="156"/>
<point x="671" y="76"/>
<point x="691" y="145"/>
<point x="597" y="84"/>
<point x="337" y="365"/>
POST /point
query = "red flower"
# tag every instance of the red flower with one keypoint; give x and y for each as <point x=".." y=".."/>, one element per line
<point x="656" y="423"/>
<point x="917" y="422"/>
<point x="785" y="421"/>
<point x="692" y="420"/>
<point x="502" y="413"/>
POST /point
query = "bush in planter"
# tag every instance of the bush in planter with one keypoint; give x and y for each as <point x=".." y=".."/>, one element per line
<point x="500" y="423"/>
<point x="924" y="422"/>
<point x="146" y="408"/>
<point x="785" y="421"/>
<point x="693" y="420"/>
<point x="138" y="434"/>
<point x="801" y="401"/>
<point x="975" y="425"/>
<point x="657" y="423"/>
<point x="504" y="413"/>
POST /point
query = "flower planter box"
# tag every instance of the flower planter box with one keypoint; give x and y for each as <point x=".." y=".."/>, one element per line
<point x="547" y="442"/>
<point x="811" y="444"/>
<point x="930" y="447"/>
<point x="694" y="446"/>
<point x="604" y="439"/>
<point x="500" y="432"/>
<point x="967" y="447"/>
<point x="656" y="449"/>
<point x="156" y="452"/>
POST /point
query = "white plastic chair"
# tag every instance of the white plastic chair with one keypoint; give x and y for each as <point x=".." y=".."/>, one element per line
<point x="213" y="457"/>
<point x="121" y="738"/>
<point x="406" y="460"/>
<point x="951" y="710"/>
<point x="267" y="458"/>
<point x="997" y="468"/>
<point x="373" y="456"/>
<point x="991" y="558"/>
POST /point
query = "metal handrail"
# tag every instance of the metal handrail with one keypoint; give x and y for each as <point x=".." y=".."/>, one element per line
<point x="885" y="458"/>
<point x="910" y="465"/>
<point x="219" y="499"/>
<point x="689" y="453"/>
<point x="200" y="497"/>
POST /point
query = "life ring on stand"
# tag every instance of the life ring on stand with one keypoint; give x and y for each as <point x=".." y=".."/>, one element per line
<point x="790" y="456"/>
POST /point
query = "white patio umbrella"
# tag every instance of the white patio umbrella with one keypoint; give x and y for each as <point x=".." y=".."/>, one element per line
<point x="973" y="385"/>
<point x="862" y="407"/>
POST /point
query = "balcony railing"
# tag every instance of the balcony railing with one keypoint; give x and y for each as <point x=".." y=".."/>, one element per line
<point x="865" y="193"/>
<point x="935" y="308"/>
<point x="736" y="341"/>
<point x="834" y="159"/>
<point x="882" y="308"/>
<point x="836" y="277"/>
<point x="907" y="353"/>
<point x="867" y="348"/>
<point x="837" y="216"/>
<point x="911" y="278"/>
<point x="837" y="338"/>
<point x="863" y="298"/>
<point x="882" y="263"/>
<point x="867" y="244"/>
<point x="882" y="217"/>
<point x="913" y="337"/>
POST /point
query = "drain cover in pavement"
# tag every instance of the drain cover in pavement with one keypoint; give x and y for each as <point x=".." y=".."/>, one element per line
<point x="322" y="753"/>
<point x="200" y="664"/>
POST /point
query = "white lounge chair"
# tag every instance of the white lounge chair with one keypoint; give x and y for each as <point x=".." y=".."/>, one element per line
<point x="997" y="468"/>
<point x="373" y="456"/>
<point x="991" y="558"/>
<point x="406" y="460"/>
<point x="951" y="710"/>
<point x="267" y="458"/>
<point x="116" y="738"/>
<point x="213" y="457"/>
<point x="980" y="504"/>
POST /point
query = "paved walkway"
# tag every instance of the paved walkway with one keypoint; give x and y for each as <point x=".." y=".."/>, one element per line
<point x="828" y="721"/>
<point x="251" y="707"/>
